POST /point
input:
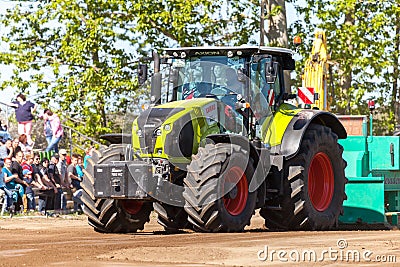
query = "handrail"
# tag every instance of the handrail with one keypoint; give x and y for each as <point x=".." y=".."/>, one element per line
<point x="72" y="144"/>
<point x="81" y="134"/>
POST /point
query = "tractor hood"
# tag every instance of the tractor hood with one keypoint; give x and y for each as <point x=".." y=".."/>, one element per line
<point x="174" y="130"/>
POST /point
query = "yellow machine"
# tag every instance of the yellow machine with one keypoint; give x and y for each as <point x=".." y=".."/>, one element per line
<point x="315" y="71"/>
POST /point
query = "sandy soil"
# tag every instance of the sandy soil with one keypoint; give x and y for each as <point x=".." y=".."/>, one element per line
<point x="70" y="241"/>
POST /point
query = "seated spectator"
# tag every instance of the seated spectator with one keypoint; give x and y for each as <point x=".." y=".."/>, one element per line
<point x="23" y="144"/>
<point x="13" y="182"/>
<point x="15" y="147"/>
<point x="4" y="192"/>
<point x="27" y="163"/>
<point x="16" y="168"/>
<point x="36" y="168"/>
<point x="29" y="193"/>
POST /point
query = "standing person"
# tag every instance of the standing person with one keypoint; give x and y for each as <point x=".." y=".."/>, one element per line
<point x="52" y="130"/>
<point x="59" y="200"/>
<point x="75" y="183"/>
<point x="23" y="112"/>
<point x="29" y="194"/>
<point x="51" y="188"/>
<point x="62" y="168"/>
<point x="79" y="167"/>
<point x="88" y="155"/>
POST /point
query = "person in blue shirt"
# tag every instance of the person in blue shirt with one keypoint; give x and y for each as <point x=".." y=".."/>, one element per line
<point x="4" y="134"/>
<point x="79" y="167"/>
<point x="4" y="192"/>
<point x="88" y="155"/>
<point x="13" y="182"/>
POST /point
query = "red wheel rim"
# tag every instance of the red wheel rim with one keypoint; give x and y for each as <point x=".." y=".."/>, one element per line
<point x="132" y="206"/>
<point x="321" y="181"/>
<point x="237" y="204"/>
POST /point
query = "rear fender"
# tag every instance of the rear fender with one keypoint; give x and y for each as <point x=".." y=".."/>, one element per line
<point x="237" y="140"/>
<point x="117" y="138"/>
<point x="298" y="125"/>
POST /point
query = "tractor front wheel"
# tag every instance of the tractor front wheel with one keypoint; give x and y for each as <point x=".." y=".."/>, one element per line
<point x="217" y="197"/>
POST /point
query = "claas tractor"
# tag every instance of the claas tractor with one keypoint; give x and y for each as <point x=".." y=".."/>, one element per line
<point x="219" y="141"/>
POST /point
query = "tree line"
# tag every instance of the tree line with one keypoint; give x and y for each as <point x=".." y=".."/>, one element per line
<point x="82" y="55"/>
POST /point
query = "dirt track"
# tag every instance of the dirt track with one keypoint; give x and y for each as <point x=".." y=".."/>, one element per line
<point x="71" y="242"/>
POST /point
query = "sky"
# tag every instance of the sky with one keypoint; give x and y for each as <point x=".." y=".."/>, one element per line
<point x="5" y="71"/>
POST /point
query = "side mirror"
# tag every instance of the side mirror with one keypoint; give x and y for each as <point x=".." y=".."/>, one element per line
<point x="271" y="71"/>
<point x="289" y="64"/>
<point x="155" y="89"/>
<point x="142" y="73"/>
<point x="241" y="75"/>
<point x="174" y="79"/>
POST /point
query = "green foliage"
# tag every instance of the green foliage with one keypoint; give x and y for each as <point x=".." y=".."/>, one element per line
<point x="72" y="52"/>
<point x="82" y="55"/>
<point x="364" y="50"/>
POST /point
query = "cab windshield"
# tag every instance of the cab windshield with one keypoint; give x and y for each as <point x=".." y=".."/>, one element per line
<point x="210" y="76"/>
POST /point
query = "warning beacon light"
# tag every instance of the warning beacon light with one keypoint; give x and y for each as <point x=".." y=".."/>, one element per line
<point x="297" y="40"/>
<point x="371" y="105"/>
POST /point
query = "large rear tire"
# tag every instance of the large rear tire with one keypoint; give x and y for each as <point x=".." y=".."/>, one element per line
<point x="314" y="182"/>
<point x="110" y="215"/>
<point x="170" y="217"/>
<point x="217" y="197"/>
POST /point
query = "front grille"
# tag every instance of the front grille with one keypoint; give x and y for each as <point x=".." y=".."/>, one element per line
<point x="149" y="121"/>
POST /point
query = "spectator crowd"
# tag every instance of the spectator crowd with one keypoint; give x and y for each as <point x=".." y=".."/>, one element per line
<point x="30" y="183"/>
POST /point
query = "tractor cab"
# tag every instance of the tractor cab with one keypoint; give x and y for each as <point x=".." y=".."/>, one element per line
<point x="248" y="81"/>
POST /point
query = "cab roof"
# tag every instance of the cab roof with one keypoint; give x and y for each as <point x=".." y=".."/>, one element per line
<point x="227" y="51"/>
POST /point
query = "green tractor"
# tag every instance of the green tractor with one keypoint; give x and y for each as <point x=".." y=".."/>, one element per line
<point x="219" y="141"/>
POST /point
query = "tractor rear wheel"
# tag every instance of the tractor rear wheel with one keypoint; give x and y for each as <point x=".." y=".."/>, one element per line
<point x="217" y="197"/>
<point x="110" y="215"/>
<point x="170" y="217"/>
<point x="314" y="182"/>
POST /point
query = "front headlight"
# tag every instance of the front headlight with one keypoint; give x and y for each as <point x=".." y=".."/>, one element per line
<point x="167" y="127"/>
<point x="158" y="132"/>
<point x="139" y="133"/>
